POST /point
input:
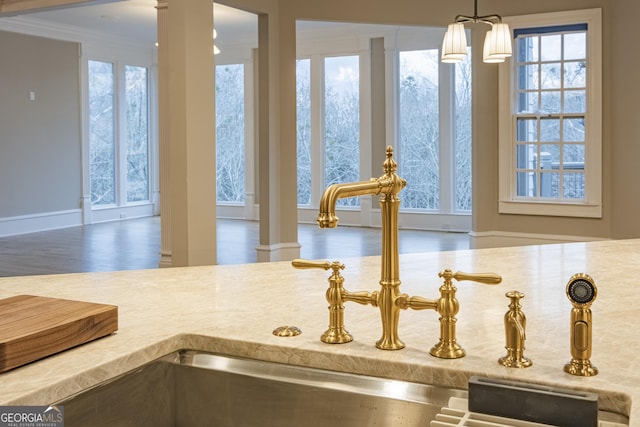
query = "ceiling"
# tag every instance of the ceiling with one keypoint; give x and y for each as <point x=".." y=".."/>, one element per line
<point x="136" y="20"/>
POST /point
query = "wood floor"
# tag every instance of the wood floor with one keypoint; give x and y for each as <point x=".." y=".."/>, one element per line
<point x="135" y="244"/>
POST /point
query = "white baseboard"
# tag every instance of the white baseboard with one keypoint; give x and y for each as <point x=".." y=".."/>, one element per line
<point x="118" y="213"/>
<point x="494" y="239"/>
<point x="12" y="226"/>
<point x="278" y="252"/>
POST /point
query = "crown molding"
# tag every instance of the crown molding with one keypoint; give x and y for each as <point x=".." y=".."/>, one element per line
<point x="14" y="7"/>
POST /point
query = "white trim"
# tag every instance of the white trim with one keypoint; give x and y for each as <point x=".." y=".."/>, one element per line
<point x="117" y="213"/>
<point x="230" y="211"/>
<point x="495" y="239"/>
<point x="11" y="226"/>
<point x="43" y="28"/>
<point x="592" y="207"/>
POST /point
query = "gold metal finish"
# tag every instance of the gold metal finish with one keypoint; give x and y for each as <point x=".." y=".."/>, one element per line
<point x="447" y="306"/>
<point x="287" y="331"/>
<point x="581" y="291"/>
<point x="336" y="294"/>
<point x="515" y="323"/>
<point x="388" y="298"/>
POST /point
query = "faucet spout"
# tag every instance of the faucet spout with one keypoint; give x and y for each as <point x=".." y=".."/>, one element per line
<point x="389" y="184"/>
<point x="327" y="217"/>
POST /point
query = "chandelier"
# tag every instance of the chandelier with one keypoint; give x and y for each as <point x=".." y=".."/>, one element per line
<point x="497" y="42"/>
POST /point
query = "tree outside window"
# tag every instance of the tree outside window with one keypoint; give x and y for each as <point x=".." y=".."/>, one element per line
<point x="230" y="157"/>
<point x="102" y="133"/>
<point x="342" y="122"/>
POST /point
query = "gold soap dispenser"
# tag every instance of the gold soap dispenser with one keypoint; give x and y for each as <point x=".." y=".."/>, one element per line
<point x="515" y="323"/>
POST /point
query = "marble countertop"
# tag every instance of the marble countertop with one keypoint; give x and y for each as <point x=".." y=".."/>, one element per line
<point x="233" y="310"/>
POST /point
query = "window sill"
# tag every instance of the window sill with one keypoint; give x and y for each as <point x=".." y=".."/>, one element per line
<point x="580" y="210"/>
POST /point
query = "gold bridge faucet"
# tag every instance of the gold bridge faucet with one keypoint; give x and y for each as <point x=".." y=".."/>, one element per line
<point x="389" y="299"/>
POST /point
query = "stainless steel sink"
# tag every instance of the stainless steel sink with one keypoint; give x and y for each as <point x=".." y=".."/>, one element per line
<point x="194" y="389"/>
<point x="199" y="389"/>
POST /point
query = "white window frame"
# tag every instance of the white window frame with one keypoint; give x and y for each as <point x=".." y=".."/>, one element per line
<point x="316" y="53"/>
<point x="248" y="210"/>
<point x="121" y="209"/>
<point x="591" y="206"/>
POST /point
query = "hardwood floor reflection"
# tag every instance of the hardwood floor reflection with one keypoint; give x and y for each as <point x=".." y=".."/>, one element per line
<point x="135" y="244"/>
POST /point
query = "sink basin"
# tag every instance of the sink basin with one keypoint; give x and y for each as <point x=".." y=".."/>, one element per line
<point x="191" y="388"/>
<point x="201" y="389"/>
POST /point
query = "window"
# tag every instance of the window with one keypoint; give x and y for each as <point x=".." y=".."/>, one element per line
<point x="550" y="141"/>
<point x="342" y="122"/>
<point x="230" y="144"/>
<point x="303" y="121"/>
<point x="427" y="119"/>
<point x="137" y="134"/>
<point x="118" y="145"/>
<point x="102" y="136"/>
<point x="419" y="129"/>
<point x="434" y="132"/>
<point x="462" y="139"/>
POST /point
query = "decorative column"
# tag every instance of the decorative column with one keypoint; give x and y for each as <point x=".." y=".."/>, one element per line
<point x="277" y="138"/>
<point x="187" y="132"/>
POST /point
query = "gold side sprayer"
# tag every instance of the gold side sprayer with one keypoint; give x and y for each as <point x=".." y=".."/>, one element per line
<point x="388" y="299"/>
<point x="581" y="291"/>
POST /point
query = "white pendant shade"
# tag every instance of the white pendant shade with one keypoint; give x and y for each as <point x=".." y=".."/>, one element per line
<point x="497" y="43"/>
<point x="486" y="56"/>
<point x="500" y="41"/>
<point x="454" y="45"/>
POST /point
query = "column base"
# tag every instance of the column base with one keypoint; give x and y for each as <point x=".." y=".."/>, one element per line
<point x="278" y="252"/>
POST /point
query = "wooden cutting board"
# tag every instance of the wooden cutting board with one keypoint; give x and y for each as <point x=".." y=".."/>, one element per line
<point x="33" y="327"/>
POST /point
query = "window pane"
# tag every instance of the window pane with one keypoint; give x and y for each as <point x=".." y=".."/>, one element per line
<point x="549" y="130"/>
<point x="528" y="76"/>
<point x="526" y="155"/>
<point x="573" y="156"/>
<point x="528" y="49"/>
<point x="528" y="102"/>
<point x="303" y="111"/>
<point x="573" y="130"/>
<point x="463" y="180"/>
<point x="575" y="101"/>
<point x="549" y="156"/>
<point x="526" y="184"/>
<point x="551" y="47"/>
<point x="550" y="101"/>
<point x="137" y="134"/>
<point x="573" y="185"/>
<point x="101" y="133"/>
<point x="575" y="46"/>
<point x="230" y="133"/>
<point x="550" y="76"/>
<point x="549" y="184"/>
<point x="419" y="133"/>
<point x="342" y="122"/>
<point x="575" y="74"/>
<point x="527" y="130"/>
